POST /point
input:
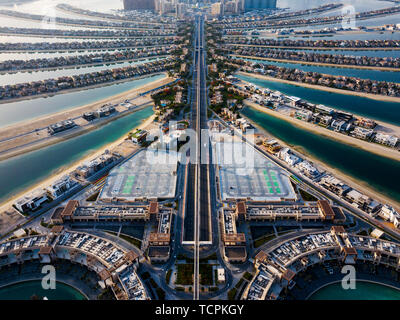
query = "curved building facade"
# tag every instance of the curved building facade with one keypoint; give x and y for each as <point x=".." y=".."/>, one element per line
<point x="259" y="4"/>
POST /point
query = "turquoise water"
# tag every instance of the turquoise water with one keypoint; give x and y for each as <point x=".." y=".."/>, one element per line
<point x="25" y="290"/>
<point x="22" y="77"/>
<point x="359" y="5"/>
<point x="15" y="38"/>
<point x="380" y="110"/>
<point x="368" y="53"/>
<point x="359" y="73"/>
<point x="371" y="35"/>
<point x="363" y="291"/>
<point x="48" y="55"/>
<point x="378" y="172"/>
<point x="20" y="172"/>
<point x="347" y="36"/>
<point x="11" y="113"/>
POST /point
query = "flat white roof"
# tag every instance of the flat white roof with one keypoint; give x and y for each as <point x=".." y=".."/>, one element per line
<point x="245" y="173"/>
<point x="221" y="274"/>
<point x="149" y="173"/>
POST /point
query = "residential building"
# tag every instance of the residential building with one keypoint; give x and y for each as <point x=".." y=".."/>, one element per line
<point x="387" y="140"/>
<point x="31" y="202"/>
<point x="304" y="115"/>
<point x="308" y="169"/>
<point x="60" y="187"/>
<point x="362" y="133"/>
<point x="288" y="157"/>
<point x="389" y="214"/>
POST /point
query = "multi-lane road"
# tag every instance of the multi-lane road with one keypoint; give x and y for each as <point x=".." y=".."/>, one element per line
<point x="198" y="209"/>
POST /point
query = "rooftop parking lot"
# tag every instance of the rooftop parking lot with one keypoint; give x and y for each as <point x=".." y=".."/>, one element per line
<point x="245" y="173"/>
<point x="148" y="174"/>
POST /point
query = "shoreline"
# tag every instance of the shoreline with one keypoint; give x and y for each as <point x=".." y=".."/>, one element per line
<point x="323" y="88"/>
<point x="320" y="48"/>
<point x="88" y="17"/>
<point x="77" y="25"/>
<point x="38" y="35"/>
<point x="100" y="85"/>
<point x="67" y="169"/>
<point x="51" y="140"/>
<point x="354" y="142"/>
<point x="360" y="280"/>
<point x="28" y="51"/>
<point x="32" y="279"/>
<point x="319" y="23"/>
<point x="110" y="99"/>
<point x="319" y="64"/>
<point x="88" y="65"/>
<point x="360" y="185"/>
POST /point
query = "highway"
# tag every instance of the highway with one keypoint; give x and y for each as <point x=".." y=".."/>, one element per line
<point x="189" y="216"/>
<point x="205" y="209"/>
<point x="198" y="207"/>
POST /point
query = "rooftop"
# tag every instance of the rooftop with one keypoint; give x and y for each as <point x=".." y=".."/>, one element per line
<point x="246" y="174"/>
<point x="148" y="174"/>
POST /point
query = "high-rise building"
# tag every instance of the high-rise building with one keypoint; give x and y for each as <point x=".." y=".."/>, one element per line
<point x="139" y="4"/>
<point x="217" y="9"/>
<point x="227" y="7"/>
<point x="167" y="6"/>
<point x="181" y="9"/>
<point x="259" y="4"/>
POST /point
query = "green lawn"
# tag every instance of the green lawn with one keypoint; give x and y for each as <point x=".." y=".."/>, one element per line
<point x="232" y="294"/>
<point x="184" y="274"/>
<point x="306" y="196"/>
<point x="261" y="241"/>
<point x="206" y="274"/>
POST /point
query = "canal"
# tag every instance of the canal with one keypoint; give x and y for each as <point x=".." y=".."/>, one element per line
<point x="389" y="76"/>
<point x="24" y="77"/>
<point x="361" y="53"/>
<point x="379" y="110"/>
<point x="363" y="291"/>
<point x="21" y="172"/>
<point x="14" y="112"/>
<point x="380" y="173"/>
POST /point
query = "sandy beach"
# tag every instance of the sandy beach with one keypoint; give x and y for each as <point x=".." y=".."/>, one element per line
<point x="77" y="24"/>
<point x="102" y="18"/>
<point x="101" y="49"/>
<point x="37" y="137"/>
<point x="319" y="48"/>
<point x="25" y="146"/>
<point x="105" y="84"/>
<point x="319" y="64"/>
<point x="43" y="121"/>
<point x="9" y="216"/>
<point x="357" y="184"/>
<point x="364" y="145"/>
<point x="33" y="35"/>
<point x="322" y="88"/>
<point x="87" y="65"/>
<point x="6" y="205"/>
